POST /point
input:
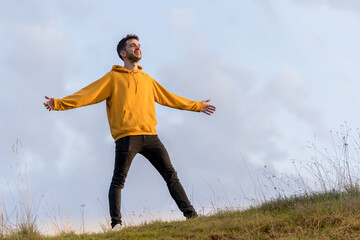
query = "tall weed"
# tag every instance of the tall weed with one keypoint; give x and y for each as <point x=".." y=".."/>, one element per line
<point x="335" y="169"/>
<point x="22" y="220"/>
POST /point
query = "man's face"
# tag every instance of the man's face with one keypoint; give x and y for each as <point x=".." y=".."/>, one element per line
<point x="132" y="50"/>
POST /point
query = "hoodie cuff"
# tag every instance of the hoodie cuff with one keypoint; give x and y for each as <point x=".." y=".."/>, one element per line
<point x="56" y="104"/>
<point x="200" y="105"/>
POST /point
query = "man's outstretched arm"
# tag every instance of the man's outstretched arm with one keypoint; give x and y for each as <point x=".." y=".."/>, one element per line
<point x="207" y="108"/>
<point x="94" y="93"/>
<point x="166" y="98"/>
<point x="49" y="104"/>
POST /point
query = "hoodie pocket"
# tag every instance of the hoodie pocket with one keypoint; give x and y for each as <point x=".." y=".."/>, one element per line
<point x="128" y="119"/>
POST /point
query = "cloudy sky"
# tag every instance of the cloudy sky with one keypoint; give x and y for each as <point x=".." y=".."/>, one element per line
<point x="280" y="73"/>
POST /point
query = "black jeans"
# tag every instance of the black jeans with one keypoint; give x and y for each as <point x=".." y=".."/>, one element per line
<point x="150" y="147"/>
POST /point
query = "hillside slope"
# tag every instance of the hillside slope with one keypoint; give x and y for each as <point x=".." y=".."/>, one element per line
<point x="331" y="215"/>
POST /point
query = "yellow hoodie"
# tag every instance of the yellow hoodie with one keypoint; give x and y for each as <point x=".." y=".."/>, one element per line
<point x="130" y="101"/>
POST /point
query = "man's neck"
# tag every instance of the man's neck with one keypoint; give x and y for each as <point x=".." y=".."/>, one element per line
<point x="131" y="66"/>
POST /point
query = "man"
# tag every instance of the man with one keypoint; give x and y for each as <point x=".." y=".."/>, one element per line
<point x="130" y="98"/>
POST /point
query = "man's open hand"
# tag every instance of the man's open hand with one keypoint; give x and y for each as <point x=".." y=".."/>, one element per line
<point x="207" y="108"/>
<point x="49" y="104"/>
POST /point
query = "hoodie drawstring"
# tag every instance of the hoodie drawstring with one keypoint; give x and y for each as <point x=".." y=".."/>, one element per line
<point x="136" y="80"/>
<point x="136" y="83"/>
<point x="128" y="78"/>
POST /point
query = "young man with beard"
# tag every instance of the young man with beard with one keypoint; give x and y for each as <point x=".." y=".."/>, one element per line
<point x="130" y="98"/>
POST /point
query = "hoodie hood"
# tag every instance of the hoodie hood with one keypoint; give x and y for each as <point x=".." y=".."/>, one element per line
<point x="132" y="76"/>
<point x="118" y="68"/>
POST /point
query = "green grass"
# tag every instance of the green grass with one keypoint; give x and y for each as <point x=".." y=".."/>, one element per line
<point x="332" y="215"/>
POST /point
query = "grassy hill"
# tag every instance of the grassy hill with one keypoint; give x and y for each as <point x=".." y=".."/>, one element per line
<point x="331" y="215"/>
<point x="316" y="213"/>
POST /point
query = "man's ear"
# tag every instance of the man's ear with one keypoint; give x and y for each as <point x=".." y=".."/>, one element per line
<point x="123" y="53"/>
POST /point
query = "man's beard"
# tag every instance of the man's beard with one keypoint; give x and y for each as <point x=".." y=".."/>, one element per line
<point x="132" y="57"/>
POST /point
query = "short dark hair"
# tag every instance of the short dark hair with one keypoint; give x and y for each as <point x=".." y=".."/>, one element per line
<point x="122" y="44"/>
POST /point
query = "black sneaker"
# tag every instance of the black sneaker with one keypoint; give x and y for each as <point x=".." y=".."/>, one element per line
<point x="191" y="215"/>
<point x="117" y="227"/>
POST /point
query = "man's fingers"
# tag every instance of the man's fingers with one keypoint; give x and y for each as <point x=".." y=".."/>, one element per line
<point x="207" y="108"/>
<point x="49" y="98"/>
<point x="210" y="107"/>
<point x="48" y="105"/>
<point x="208" y="111"/>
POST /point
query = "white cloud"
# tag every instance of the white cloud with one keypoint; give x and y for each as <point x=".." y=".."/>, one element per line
<point x="290" y="91"/>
